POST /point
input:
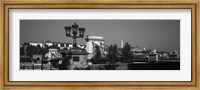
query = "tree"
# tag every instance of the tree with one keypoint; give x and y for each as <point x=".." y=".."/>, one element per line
<point x="45" y="49"/>
<point x="97" y="57"/>
<point x="112" y="54"/>
<point x="127" y="54"/>
<point x="31" y="50"/>
<point x="22" y="51"/>
<point x="38" y="49"/>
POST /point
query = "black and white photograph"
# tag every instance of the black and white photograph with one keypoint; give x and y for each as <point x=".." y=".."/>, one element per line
<point x="100" y="44"/>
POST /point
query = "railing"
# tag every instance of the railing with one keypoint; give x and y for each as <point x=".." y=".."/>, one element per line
<point x="35" y="66"/>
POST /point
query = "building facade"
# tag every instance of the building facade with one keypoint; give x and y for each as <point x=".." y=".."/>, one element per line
<point x="91" y="41"/>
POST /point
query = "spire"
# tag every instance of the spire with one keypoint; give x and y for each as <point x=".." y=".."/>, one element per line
<point x="122" y="43"/>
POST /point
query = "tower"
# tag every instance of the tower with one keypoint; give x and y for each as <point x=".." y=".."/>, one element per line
<point x="122" y="43"/>
<point x="90" y="41"/>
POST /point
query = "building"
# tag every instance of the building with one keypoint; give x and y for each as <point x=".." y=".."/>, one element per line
<point x="61" y="45"/>
<point x="75" y="58"/>
<point x="36" y="43"/>
<point x="91" y="41"/>
<point x="174" y="55"/>
<point x="138" y="49"/>
<point x="53" y="54"/>
<point x="153" y="56"/>
<point x="37" y="58"/>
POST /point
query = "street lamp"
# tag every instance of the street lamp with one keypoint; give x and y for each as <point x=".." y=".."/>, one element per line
<point x="75" y="29"/>
<point x="67" y="30"/>
<point x="42" y="62"/>
<point x="81" y="32"/>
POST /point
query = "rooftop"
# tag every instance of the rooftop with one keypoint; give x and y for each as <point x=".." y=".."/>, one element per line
<point x="94" y="37"/>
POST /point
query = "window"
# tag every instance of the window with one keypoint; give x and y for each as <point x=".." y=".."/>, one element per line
<point x="75" y="58"/>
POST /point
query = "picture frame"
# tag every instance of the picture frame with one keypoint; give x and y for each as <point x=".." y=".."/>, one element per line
<point x="4" y="62"/>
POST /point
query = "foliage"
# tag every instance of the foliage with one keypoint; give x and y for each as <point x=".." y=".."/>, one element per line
<point x="127" y="54"/>
<point x="97" y="57"/>
<point x="22" y="52"/>
<point x="31" y="50"/>
<point x="112" y="54"/>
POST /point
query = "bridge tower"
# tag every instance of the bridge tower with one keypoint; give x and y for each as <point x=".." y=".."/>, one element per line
<point x="90" y="41"/>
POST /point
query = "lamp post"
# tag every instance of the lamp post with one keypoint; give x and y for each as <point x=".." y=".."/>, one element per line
<point x="42" y="61"/>
<point x="75" y="29"/>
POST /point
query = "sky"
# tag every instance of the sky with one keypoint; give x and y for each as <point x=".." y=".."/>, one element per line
<point x="162" y="35"/>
